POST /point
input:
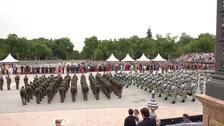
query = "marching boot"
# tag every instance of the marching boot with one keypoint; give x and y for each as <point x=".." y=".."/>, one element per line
<point x="183" y="101"/>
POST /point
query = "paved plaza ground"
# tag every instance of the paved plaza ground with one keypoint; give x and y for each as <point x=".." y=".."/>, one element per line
<point x="110" y="112"/>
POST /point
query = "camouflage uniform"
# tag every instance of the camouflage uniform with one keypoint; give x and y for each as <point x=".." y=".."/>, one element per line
<point x="84" y="87"/>
<point x="8" y="82"/>
<point x="49" y="94"/>
<point x="73" y="92"/>
<point x="25" y="80"/>
<point x="17" y="78"/>
<point x="62" y="92"/>
<point x="38" y="94"/>
<point x="29" y="92"/>
<point x="23" y="95"/>
<point x="1" y="83"/>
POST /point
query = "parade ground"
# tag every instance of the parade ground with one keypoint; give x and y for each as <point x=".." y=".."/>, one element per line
<point x="110" y="112"/>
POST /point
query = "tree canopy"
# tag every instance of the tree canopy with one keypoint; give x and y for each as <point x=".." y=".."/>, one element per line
<point x="94" y="49"/>
<point x="37" y="49"/>
<point x="169" y="47"/>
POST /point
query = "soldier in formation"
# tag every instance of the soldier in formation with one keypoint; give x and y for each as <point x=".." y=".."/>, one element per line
<point x="117" y="87"/>
<point x="1" y="82"/>
<point x="8" y="80"/>
<point x="38" y="94"/>
<point x="109" y="84"/>
<point x="104" y="85"/>
<point x="25" y="79"/>
<point x="23" y="95"/>
<point x="49" y="92"/>
<point x="85" y="88"/>
<point x="64" y="87"/>
<point x="73" y="89"/>
<point x="29" y="92"/>
<point x="41" y="87"/>
<point x="62" y="92"/>
<point x="17" y="78"/>
<point x="95" y="87"/>
<point x="47" y="87"/>
<point x="125" y="78"/>
<point x="181" y="83"/>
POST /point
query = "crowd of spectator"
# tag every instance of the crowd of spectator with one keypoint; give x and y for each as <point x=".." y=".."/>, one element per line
<point x="197" y="58"/>
<point x="189" y="61"/>
<point x="95" y="67"/>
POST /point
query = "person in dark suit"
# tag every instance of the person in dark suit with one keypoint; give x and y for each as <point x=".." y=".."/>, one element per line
<point x="146" y="120"/>
<point x="130" y="120"/>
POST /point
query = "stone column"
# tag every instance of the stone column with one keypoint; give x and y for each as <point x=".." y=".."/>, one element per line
<point x="213" y="99"/>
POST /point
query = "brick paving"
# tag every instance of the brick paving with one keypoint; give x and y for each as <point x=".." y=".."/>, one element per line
<point x="91" y="113"/>
<point x="90" y="117"/>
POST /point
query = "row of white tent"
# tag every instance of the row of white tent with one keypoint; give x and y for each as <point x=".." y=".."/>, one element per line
<point x="112" y="58"/>
<point x="143" y="58"/>
<point x="9" y="59"/>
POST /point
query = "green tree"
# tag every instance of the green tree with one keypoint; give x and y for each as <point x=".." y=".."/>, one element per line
<point x="184" y="39"/>
<point x="62" y="48"/>
<point x="41" y="51"/>
<point x="98" y="54"/>
<point x="91" y="45"/>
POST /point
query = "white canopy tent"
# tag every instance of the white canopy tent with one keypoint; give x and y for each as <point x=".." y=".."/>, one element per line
<point x="9" y="59"/>
<point x="143" y="58"/>
<point x="127" y="59"/>
<point x="112" y="58"/>
<point x="159" y="58"/>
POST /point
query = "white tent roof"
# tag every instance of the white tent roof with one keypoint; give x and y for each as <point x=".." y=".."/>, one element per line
<point x="112" y="58"/>
<point x="127" y="58"/>
<point x="143" y="58"/>
<point x="159" y="58"/>
<point x="9" y="59"/>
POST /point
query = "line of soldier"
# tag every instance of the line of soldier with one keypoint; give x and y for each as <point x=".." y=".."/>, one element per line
<point x="180" y="83"/>
<point x="44" y="86"/>
<point x="63" y="88"/>
<point x="85" y="88"/>
<point x="73" y="89"/>
<point x="117" y="86"/>
<point x="95" y="87"/>
<point x="109" y="84"/>
<point x="41" y="87"/>
<point x="9" y="80"/>
<point x="105" y="85"/>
